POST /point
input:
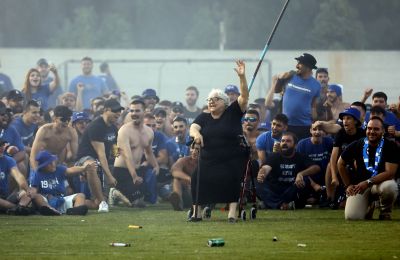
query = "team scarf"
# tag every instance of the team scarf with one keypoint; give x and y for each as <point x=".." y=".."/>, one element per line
<point x="378" y="154"/>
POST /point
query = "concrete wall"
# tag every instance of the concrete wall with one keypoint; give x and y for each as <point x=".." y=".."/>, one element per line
<point x="356" y="70"/>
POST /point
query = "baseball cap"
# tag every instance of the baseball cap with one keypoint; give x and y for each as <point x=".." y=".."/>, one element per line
<point x="42" y="61"/>
<point x="231" y="89"/>
<point x="308" y="60"/>
<point x="113" y="104"/>
<point x="160" y="112"/>
<point x="80" y="116"/>
<point x="15" y="95"/>
<point x="44" y="158"/>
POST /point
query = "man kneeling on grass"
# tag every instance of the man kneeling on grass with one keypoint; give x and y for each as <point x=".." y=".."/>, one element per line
<point x="49" y="184"/>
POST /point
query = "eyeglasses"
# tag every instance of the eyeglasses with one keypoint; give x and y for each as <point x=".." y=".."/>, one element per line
<point x="249" y="119"/>
<point x="213" y="99"/>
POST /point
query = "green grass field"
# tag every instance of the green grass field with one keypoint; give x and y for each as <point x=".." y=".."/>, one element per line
<point x="167" y="235"/>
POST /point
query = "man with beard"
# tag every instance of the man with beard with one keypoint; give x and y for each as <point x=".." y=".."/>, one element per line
<point x="250" y="130"/>
<point x="333" y="104"/>
<point x="350" y="132"/>
<point x="27" y="124"/>
<point x="317" y="148"/>
<point x="300" y="96"/>
<point x="87" y="86"/>
<point x="281" y="178"/>
<point x="268" y="142"/>
<point x="150" y="99"/>
<point x="322" y="75"/>
<point x="176" y="145"/>
<point x="96" y="145"/>
<point x="54" y="137"/>
<point x="134" y="140"/>
<point x="376" y="162"/>
<point x="191" y="111"/>
<point x="15" y="101"/>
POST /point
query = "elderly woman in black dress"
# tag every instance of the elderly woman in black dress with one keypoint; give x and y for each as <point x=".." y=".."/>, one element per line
<point x="222" y="158"/>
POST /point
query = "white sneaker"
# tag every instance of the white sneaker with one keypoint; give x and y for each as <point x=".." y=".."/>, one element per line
<point x="111" y="198"/>
<point x="103" y="207"/>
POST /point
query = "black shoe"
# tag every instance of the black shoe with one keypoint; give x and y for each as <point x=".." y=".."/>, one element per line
<point x="80" y="210"/>
<point x="47" y="211"/>
<point x="193" y="219"/>
<point x="20" y="211"/>
<point x="231" y="220"/>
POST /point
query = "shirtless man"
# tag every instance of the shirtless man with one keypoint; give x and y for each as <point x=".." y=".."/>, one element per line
<point x="134" y="140"/>
<point x="54" y="137"/>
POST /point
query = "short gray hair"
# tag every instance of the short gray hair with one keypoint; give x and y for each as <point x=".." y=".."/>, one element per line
<point x="219" y="93"/>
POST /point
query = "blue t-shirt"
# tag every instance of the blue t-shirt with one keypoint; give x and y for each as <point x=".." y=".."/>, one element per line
<point x="51" y="182"/>
<point x="320" y="154"/>
<point x="52" y="101"/>
<point x="94" y="87"/>
<point x="298" y="98"/>
<point x="390" y="119"/>
<point x="109" y="81"/>
<point x="5" y="83"/>
<point x="265" y="142"/>
<point x="6" y="164"/>
<point x="159" y="142"/>
<point x="11" y="135"/>
<point x="26" y="132"/>
<point x="42" y="95"/>
<point x="178" y="150"/>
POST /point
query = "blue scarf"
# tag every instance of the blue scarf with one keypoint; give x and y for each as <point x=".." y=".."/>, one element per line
<point x="373" y="169"/>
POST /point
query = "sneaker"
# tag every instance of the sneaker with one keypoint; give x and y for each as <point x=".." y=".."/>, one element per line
<point x="111" y="198"/>
<point x="103" y="207"/>
<point x="80" y="210"/>
<point x="176" y="201"/>
<point x="206" y="212"/>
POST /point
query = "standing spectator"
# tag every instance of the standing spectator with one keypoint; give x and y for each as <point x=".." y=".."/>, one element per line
<point x="281" y="179"/>
<point x="233" y="93"/>
<point x="68" y="99"/>
<point x="376" y="160"/>
<point x="107" y="77"/>
<point x="191" y="110"/>
<point x="333" y="104"/>
<point x="87" y="86"/>
<point x="250" y="131"/>
<point x="300" y="96"/>
<point x="222" y="158"/>
<point x="322" y="75"/>
<point x="43" y="67"/>
<point x="79" y="121"/>
<point x="5" y="83"/>
<point x="162" y="122"/>
<point x="34" y="89"/>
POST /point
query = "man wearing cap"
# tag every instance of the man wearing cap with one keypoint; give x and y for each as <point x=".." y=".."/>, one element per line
<point x="162" y="122"/>
<point x="135" y="140"/>
<point x="376" y="161"/>
<point x="334" y="104"/>
<point x="79" y="121"/>
<point x="87" y="86"/>
<point x="233" y="93"/>
<point x="49" y="187"/>
<point x="15" y="101"/>
<point x="9" y="199"/>
<point x="55" y="137"/>
<point x="191" y="111"/>
<point x="300" y="96"/>
<point x="27" y="124"/>
<point x="177" y="109"/>
<point x="43" y="67"/>
<point x="97" y="143"/>
<point x="150" y="99"/>
<point x="351" y="131"/>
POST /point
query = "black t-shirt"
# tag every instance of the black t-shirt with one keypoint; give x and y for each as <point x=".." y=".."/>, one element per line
<point x="191" y="116"/>
<point x="354" y="152"/>
<point x="97" y="131"/>
<point x="284" y="170"/>
<point x="342" y="139"/>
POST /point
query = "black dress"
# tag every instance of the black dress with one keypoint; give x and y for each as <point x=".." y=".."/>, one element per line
<point x="222" y="159"/>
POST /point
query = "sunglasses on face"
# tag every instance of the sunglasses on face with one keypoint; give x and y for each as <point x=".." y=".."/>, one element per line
<point x="250" y="119"/>
<point x="213" y="99"/>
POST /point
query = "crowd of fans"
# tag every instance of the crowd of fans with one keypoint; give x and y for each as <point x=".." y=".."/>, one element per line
<point x="92" y="146"/>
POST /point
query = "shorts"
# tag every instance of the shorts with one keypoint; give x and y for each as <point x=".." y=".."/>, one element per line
<point x="68" y="202"/>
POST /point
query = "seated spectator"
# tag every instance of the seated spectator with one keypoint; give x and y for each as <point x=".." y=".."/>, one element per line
<point x="233" y="92"/>
<point x="162" y="124"/>
<point x="281" y="179"/>
<point x="377" y="160"/>
<point x="12" y="202"/>
<point x="68" y="99"/>
<point x="150" y="99"/>
<point x="15" y="101"/>
<point x="49" y="183"/>
<point x="182" y="171"/>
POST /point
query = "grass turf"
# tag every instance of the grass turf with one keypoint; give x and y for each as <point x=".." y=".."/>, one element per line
<point x="167" y="235"/>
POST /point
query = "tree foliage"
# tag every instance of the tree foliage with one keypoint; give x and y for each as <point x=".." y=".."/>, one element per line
<point x="190" y="24"/>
